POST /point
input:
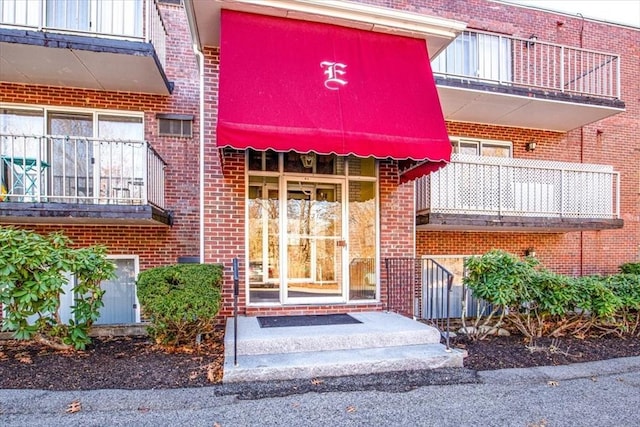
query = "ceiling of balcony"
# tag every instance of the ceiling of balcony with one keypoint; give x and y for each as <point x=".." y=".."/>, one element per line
<point x="530" y="110"/>
<point x="60" y="60"/>
<point x="204" y="17"/>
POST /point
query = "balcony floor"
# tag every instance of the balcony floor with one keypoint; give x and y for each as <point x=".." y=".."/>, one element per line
<point x="465" y="100"/>
<point x="69" y="60"/>
<point x="522" y="224"/>
<point x="82" y="214"/>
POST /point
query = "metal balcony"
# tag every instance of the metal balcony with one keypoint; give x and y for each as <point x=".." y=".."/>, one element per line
<point x="62" y="179"/>
<point x="505" y="194"/>
<point x="111" y="45"/>
<point x="510" y="81"/>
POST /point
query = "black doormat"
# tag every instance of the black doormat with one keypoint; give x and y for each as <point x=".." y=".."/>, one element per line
<point x="310" y="320"/>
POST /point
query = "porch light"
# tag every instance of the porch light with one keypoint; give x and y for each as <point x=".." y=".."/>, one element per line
<point x="532" y="40"/>
<point x="308" y="160"/>
<point x="530" y="252"/>
<point x="531" y="145"/>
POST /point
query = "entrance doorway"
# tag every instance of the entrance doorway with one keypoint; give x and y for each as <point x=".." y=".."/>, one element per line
<point x="315" y="244"/>
<point x="311" y="229"/>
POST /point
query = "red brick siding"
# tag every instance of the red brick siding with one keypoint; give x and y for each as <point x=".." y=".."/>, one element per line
<point x="612" y="141"/>
<point x="155" y="245"/>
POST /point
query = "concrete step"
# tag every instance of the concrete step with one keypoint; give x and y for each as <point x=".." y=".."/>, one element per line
<point x="378" y="329"/>
<point x="264" y="367"/>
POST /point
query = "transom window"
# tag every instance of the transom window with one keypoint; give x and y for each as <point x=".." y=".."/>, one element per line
<point x="482" y="147"/>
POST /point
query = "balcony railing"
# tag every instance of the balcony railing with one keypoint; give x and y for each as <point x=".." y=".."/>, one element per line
<point x="475" y="185"/>
<point x="63" y="169"/>
<point x="122" y="19"/>
<point x="530" y="63"/>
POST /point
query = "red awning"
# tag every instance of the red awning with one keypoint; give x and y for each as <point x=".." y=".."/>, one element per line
<point x="287" y="84"/>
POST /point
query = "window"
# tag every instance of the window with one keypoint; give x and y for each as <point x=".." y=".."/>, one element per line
<point x="483" y="56"/>
<point x="175" y="125"/>
<point x="81" y="155"/>
<point x="481" y="147"/>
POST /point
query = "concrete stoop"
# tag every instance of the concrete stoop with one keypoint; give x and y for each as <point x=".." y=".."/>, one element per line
<point x="383" y="342"/>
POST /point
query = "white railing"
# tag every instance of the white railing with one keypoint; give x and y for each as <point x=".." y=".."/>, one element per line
<point x="530" y="63"/>
<point x="475" y="185"/>
<point x="122" y="19"/>
<point x="64" y="169"/>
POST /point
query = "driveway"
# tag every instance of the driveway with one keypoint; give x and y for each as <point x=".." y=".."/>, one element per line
<point x="602" y="393"/>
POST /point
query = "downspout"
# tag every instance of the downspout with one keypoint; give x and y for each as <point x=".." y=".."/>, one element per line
<point x="581" y="154"/>
<point x="200" y="56"/>
<point x="197" y="49"/>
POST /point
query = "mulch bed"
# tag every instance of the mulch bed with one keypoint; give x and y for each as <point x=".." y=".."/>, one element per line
<point x="514" y="352"/>
<point x="136" y="363"/>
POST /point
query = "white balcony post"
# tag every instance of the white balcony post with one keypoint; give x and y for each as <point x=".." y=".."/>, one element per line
<point x="617" y="175"/>
<point x="145" y="174"/>
<point x="500" y="207"/>
<point x="562" y="68"/>
<point x="617" y="77"/>
<point x="148" y="21"/>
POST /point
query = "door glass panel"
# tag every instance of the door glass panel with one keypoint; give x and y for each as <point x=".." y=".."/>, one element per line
<point x="264" y="235"/>
<point x="20" y="151"/>
<point x="68" y="14"/>
<point x="120" y="157"/>
<point x="362" y="240"/>
<point x="71" y="154"/>
<point x="314" y="240"/>
<point x="120" y="17"/>
<point x="359" y="166"/>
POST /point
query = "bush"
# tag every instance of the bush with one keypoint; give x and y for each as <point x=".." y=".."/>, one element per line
<point x="539" y="302"/>
<point x="32" y="274"/>
<point x="180" y="301"/>
<point x="630" y="268"/>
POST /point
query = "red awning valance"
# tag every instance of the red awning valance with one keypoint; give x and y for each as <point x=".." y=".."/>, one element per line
<point x="287" y="84"/>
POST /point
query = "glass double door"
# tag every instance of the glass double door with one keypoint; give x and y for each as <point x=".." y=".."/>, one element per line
<point x="311" y="249"/>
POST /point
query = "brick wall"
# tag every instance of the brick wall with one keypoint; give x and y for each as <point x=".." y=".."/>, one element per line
<point x="612" y="141"/>
<point x="155" y="245"/>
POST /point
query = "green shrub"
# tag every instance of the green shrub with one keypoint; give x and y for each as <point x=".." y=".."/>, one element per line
<point x="500" y="279"/>
<point x="630" y="268"/>
<point x="180" y="301"/>
<point x="539" y="302"/>
<point x="32" y="274"/>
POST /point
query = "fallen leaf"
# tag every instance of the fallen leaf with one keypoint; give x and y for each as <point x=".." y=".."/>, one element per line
<point x="74" y="407"/>
<point x="553" y="383"/>
<point x="3" y="356"/>
<point x="594" y="379"/>
<point x="295" y="405"/>
<point x="351" y="409"/>
<point x="144" y="409"/>
<point x="620" y="380"/>
<point x="193" y="375"/>
<point x="216" y="424"/>
<point x="24" y="358"/>
<point x="211" y="373"/>
<point x="316" y="381"/>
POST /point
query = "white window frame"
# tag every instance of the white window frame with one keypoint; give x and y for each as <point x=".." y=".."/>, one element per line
<point x="345" y="178"/>
<point x="480" y="143"/>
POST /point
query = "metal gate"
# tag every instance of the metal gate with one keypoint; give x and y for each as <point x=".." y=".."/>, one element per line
<point x="420" y="288"/>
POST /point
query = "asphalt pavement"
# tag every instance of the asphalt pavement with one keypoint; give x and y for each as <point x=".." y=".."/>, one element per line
<point x="604" y="393"/>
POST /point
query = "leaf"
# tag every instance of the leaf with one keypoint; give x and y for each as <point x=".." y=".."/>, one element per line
<point x="74" y="406"/>
<point x="24" y="358"/>
<point x="552" y="383"/>
<point x="351" y="409"/>
<point x="317" y="381"/>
